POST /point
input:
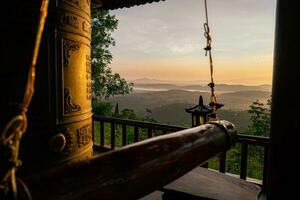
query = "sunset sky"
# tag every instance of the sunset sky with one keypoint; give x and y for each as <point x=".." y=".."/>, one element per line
<point x="165" y="41"/>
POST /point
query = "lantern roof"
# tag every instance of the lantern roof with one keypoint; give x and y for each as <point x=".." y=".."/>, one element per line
<point x="115" y="4"/>
<point x="200" y="108"/>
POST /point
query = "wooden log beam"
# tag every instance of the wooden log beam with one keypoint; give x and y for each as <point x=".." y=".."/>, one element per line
<point x="135" y="170"/>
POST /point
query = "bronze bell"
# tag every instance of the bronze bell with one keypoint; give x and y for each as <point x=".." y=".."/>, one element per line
<point x="60" y="117"/>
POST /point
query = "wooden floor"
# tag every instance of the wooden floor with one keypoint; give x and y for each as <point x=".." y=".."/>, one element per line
<point x="202" y="183"/>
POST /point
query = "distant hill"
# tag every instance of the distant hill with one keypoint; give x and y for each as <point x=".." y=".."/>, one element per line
<point x="154" y="81"/>
<point x="243" y="99"/>
<point x="168" y="101"/>
<point x="226" y="87"/>
<point x="156" y="85"/>
<point x="236" y="101"/>
<point x="148" y="81"/>
<point x="219" y="87"/>
<point x="175" y="114"/>
<point x="140" y="101"/>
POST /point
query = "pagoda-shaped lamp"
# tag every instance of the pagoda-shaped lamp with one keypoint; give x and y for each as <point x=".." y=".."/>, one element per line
<point x="200" y="113"/>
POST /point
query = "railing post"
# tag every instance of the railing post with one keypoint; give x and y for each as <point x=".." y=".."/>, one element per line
<point x="93" y="131"/>
<point x="136" y="134"/>
<point x="243" y="172"/>
<point x="244" y="140"/>
<point x="266" y="165"/>
<point x="102" y="133"/>
<point x="149" y="132"/>
<point x="204" y="165"/>
<point x="112" y="135"/>
<point x="222" y="163"/>
<point x="153" y="164"/>
<point x="124" y="135"/>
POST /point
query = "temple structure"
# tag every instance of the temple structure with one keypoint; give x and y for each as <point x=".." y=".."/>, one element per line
<point x="57" y="150"/>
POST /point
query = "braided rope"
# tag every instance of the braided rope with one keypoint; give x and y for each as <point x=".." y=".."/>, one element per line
<point x="213" y="98"/>
<point x="12" y="134"/>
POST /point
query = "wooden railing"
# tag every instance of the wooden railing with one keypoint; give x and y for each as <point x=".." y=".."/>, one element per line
<point x="244" y="140"/>
<point x="126" y="123"/>
<point x="135" y="170"/>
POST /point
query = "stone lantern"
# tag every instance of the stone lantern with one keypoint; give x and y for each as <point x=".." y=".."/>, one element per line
<point x="200" y="113"/>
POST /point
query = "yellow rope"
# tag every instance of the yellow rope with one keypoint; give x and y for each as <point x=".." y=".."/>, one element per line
<point x="16" y="127"/>
<point x="213" y="98"/>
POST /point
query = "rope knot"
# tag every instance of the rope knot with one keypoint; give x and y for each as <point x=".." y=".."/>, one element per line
<point x="208" y="38"/>
<point x="207" y="48"/>
<point x="211" y="85"/>
<point x="213" y="99"/>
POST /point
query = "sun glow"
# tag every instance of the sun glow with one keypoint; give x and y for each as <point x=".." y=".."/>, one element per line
<point x="155" y="43"/>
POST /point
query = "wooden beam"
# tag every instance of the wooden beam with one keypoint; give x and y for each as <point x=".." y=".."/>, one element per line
<point x="135" y="170"/>
<point x="283" y="171"/>
<point x="115" y="4"/>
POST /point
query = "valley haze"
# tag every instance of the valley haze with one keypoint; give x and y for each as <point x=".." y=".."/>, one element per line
<point x="167" y="101"/>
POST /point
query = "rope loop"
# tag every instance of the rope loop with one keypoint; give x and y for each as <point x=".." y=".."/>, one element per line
<point x="208" y="38"/>
<point x="213" y="99"/>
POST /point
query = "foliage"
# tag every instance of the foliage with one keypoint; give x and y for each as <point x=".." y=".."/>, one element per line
<point x="260" y="118"/>
<point x="125" y="114"/>
<point x="103" y="108"/>
<point x="128" y="114"/>
<point x="105" y="82"/>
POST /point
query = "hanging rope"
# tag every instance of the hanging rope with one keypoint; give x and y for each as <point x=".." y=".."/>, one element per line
<point x="213" y="99"/>
<point x="12" y="134"/>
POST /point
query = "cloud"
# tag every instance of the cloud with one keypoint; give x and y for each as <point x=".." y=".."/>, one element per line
<point x="242" y="31"/>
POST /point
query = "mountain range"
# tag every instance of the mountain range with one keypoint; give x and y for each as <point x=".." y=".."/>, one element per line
<point x="167" y="102"/>
<point x="140" y="87"/>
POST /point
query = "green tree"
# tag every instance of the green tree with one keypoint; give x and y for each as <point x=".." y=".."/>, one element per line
<point x="149" y="117"/>
<point x="105" y="82"/>
<point x="103" y="108"/>
<point x="260" y="118"/>
<point x="128" y="114"/>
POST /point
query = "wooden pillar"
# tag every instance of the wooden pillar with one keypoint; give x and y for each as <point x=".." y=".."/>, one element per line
<point x="283" y="179"/>
<point x="60" y="123"/>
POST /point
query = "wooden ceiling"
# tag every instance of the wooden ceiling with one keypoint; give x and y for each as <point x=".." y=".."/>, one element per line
<point x="115" y="4"/>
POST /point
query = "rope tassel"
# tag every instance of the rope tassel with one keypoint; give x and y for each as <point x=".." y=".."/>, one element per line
<point x="213" y="98"/>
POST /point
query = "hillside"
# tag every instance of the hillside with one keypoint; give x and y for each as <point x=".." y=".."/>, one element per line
<point x="175" y="114"/>
<point x="168" y="103"/>
<point x="197" y="87"/>
<point x="243" y="99"/>
<point x="236" y="101"/>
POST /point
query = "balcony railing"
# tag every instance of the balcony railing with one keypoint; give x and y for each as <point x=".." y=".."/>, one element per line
<point x="149" y="130"/>
<point x="136" y="170"/>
